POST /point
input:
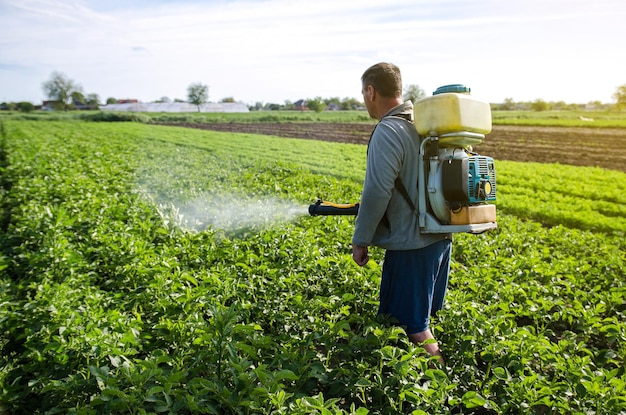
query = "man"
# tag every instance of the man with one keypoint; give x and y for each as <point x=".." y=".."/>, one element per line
<point x="416" y="265"/>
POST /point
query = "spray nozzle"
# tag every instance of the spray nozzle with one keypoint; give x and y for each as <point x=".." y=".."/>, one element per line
<point x="323" y="208"/>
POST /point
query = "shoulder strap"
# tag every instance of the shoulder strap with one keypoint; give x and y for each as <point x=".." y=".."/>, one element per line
<point x="405" y="194"/>
<point x="398" y="183"/>
<point x="406" y="117"/>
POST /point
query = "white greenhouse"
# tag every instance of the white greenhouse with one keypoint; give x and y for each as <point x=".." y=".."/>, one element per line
<point x="176" y="107"/>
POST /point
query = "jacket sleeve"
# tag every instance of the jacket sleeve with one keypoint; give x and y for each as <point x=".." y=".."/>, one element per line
<point x="384" y="160"/>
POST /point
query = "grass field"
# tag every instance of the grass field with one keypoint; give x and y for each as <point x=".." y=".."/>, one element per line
<point x="152" y="269"/>
<point x="593" y="119"/>
<point x="569" y="118"/>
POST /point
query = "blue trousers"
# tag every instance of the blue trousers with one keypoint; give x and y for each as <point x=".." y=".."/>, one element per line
<point x="414" y="283"/>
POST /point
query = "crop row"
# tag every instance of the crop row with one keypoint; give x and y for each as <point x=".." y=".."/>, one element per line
<point x="557" y="118"/>
<point x="111" y="302"/>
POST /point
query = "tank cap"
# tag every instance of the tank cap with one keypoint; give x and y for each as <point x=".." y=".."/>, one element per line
<point x="457" y="88"/>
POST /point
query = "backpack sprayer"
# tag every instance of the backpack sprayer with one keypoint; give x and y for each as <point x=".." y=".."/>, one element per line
<point x="461" y="187"/>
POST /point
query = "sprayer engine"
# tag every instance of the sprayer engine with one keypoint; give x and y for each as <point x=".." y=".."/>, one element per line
<point x="460" y="182"/>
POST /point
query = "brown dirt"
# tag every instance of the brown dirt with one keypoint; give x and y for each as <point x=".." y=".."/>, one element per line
<point x="601" y="147"/>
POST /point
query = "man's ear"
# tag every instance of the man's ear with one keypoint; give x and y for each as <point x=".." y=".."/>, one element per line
<point x="371" y="92"/>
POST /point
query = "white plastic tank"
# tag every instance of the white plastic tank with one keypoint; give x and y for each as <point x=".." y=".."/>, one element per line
<point x="451" y="109"/>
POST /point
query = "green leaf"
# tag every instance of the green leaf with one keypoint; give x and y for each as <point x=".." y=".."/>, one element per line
<point x="285" y="374"/>
<point x="500" y="373"/>
<point x="362" y="383"/>
<point x="472" y="399"/>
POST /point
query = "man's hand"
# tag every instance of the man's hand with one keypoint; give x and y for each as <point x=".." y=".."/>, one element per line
<point x="359" y="254"/>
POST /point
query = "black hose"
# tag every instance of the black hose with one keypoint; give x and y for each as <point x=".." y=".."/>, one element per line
<point x="325" y="209"/>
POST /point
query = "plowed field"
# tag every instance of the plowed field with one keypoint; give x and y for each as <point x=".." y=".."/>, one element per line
<point x="599" y="147"/>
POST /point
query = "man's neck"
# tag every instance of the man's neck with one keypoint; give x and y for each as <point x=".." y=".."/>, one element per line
<point x="386" y="106"/>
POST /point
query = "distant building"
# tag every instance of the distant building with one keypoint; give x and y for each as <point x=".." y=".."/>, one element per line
<point x="51" y="105"/>
<point x="82" y="106"/>
<point x="300" y="105"/>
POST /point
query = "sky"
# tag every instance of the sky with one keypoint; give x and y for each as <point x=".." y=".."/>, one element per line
<point x="272" y="51"/>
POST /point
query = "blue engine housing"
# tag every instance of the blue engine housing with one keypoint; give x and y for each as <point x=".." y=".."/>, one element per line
<point x="481" y="179"/>
<point x="469" y="180"/>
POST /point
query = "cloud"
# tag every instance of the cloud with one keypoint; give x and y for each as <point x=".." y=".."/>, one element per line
<point x="52" y="12"/>
<point x="274" y="50"/>
<point x="11" y="67"/>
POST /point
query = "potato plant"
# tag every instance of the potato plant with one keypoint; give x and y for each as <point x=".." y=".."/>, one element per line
<point x="112" y="301"/>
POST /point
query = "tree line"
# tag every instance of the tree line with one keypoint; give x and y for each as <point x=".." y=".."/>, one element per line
<point x="65" y="94"/>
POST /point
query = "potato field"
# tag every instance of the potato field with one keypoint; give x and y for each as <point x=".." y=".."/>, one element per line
<point x="151" y="269"/>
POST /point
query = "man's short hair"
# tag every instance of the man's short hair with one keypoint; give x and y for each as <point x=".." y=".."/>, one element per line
<point x="385" y="78"/>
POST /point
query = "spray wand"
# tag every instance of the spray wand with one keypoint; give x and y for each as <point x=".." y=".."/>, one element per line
<point x="323" y="208"/>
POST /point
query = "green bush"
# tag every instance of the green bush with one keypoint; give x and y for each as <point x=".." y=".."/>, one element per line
<point x="106" y="116"/>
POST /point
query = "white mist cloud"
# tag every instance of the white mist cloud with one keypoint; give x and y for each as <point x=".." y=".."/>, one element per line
<point x="230" y="213"/>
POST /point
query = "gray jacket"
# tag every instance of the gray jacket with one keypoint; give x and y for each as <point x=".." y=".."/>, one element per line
<point x="385" y="218"/>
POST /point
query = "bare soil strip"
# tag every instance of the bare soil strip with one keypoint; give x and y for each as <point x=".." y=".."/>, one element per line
<point x="600" y="147"/>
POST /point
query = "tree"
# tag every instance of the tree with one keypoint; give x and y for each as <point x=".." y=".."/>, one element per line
<point x="24" y="106"/>
<point x="351" y="104"/>
<point x="93" y="100"/>
<point x="508" y="104"/>
<point x="78" y="98"/>
<point x="111" y="100"/>
<point x="620" y="97"/>
<point x="60" y="88"/>
<point x="316" y="104"/>
<point x="413" y="92"/>
<point x="198" y="94"/>
<point x="539" y="105"/>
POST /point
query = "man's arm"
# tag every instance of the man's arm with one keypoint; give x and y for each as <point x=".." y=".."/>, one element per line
<point x="383" y="166"/>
